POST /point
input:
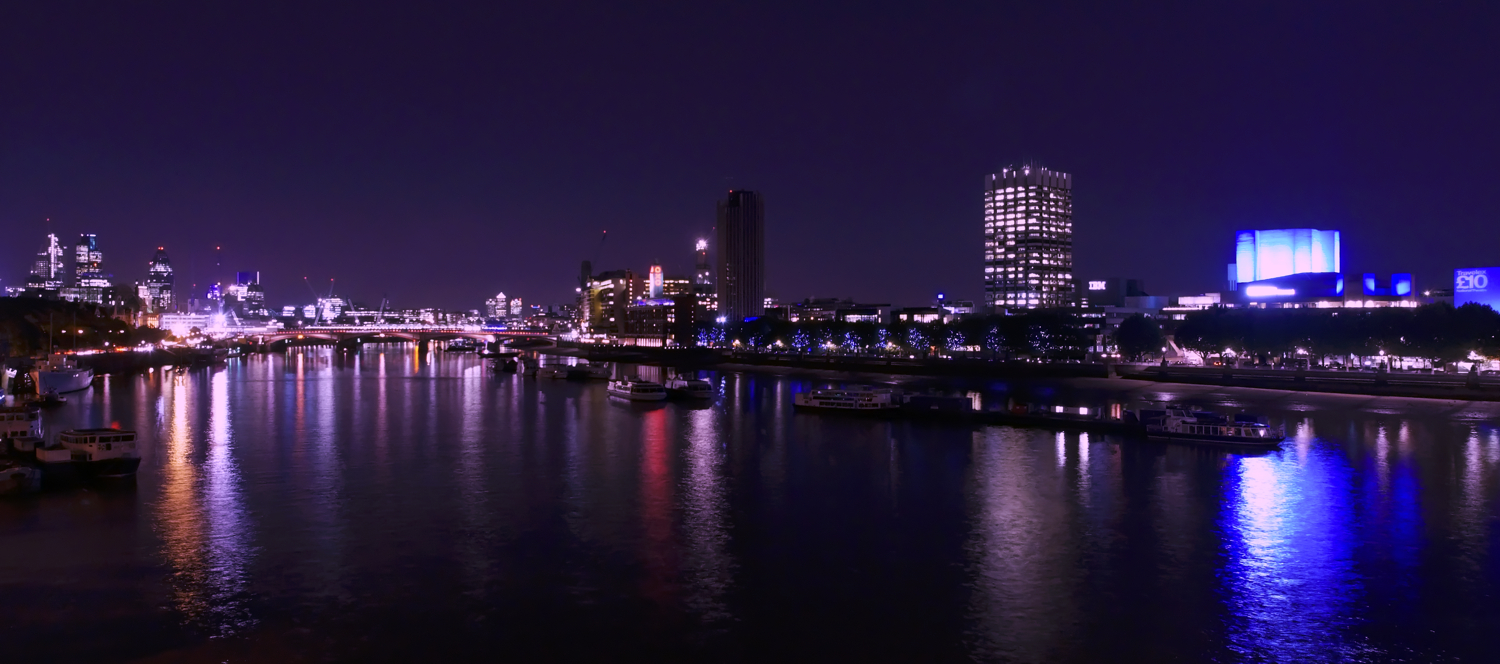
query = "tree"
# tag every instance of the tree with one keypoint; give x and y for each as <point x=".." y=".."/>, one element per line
<point x="1137" y="336"/>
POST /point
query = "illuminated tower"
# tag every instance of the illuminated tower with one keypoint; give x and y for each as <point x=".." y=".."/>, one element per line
<point x="1028" y="239"/>
<point x="47" y="271"/>
<point x="86" y="259"/>
<point x="741" y="256"/>
<point x="654" y="283"/>
<point x="704" y="275"/>
<point x="159" y="282"/>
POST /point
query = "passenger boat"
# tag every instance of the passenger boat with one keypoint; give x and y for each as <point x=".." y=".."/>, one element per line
<point x="849" y="400"/>
<point x="636" y="389"/>
<point x="61" y="374"/>
<point x="689" y="388"/>
<point x="1181" y="424"/>
<point x="20" y="420"/>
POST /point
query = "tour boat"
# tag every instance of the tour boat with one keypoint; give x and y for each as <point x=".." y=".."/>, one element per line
<point x="1181" y="424"/>
<point x="849" y="400"/>
<point x="60" y="373"/>
<point x="102" y="452"/>
<point x="690" y="388"/>
<point x="17" y="421"/>
<point x="636" y="389"/>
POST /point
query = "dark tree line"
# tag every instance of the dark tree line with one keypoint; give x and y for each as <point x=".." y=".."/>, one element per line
<point x="25" y="323"/>
<point x="1438" y="333"/>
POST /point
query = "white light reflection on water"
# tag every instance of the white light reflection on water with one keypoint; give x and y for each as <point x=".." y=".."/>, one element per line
<point x="1023" y="599"/>
<point x="708" y="565"/>
<point x="1288" y="535"/>
<point x="206" y="537"/>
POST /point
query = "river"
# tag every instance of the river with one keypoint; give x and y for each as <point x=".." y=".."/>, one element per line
<point x="396" y="505"/>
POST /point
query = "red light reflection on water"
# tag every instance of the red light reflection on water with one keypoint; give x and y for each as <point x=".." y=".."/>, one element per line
<point x="656" y="508"/>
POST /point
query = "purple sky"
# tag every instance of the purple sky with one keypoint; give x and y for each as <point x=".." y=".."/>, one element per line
<point x="441" y="155"/>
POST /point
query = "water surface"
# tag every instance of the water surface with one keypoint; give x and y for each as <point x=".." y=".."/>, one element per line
<point x="391" y="505"/>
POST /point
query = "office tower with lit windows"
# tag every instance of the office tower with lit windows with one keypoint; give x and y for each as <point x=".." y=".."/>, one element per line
<point x="741" y="256"/>
<point x="159" y="282"/>
<point x="1028" y="239"/>
<point x="47" y="271"/>
<point x="87" y="259"/>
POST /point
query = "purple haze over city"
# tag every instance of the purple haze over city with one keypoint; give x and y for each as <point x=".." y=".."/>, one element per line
<point x="439" y="154"/>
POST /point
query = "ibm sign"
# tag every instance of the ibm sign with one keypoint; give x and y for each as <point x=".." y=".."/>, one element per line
<point x="1479" y="284"/>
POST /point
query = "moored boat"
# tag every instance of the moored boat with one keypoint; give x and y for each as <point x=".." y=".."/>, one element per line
<point x="61" y="374"/>
<point x="102" y="453"/>
<point x="636" y="389"/>
<point x="1184" y="425"/>
<point x="20" y="420"/>
<point x="853" y="400"/>
<point x="684" y="387"/>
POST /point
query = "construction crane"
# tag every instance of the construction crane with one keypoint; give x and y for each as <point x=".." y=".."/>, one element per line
<point x="586" y="271"/>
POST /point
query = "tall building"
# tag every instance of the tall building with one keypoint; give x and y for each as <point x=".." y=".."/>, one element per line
<point x="159" y="282"/>
<point x="87" y="261"/>
<point x="246" y="297"/>
<point x="497" y="307"/>
<point x="704" y="275"/>
<point x="47" y="271"/>
<point x="741" y="256"/>
<point x="610" y="295"/>
<point x="1028" y="239"/>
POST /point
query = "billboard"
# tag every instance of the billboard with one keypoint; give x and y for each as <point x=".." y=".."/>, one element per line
<point x="1262" y="255"/>
<point x="1477" y="284"/>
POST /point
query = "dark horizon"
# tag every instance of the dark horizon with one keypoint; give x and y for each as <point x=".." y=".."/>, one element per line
<point x="439" y="155"/>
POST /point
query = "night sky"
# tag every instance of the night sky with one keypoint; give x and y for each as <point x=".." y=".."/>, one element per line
<point x="441" y="154"/>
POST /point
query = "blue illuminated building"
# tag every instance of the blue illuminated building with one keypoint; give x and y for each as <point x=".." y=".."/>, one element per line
<point x="1401" y="285"/>
<point x="1262" y="255"/>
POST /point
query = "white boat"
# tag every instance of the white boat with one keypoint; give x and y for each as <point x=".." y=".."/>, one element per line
<point x="18" y="421"/>
<point x="1181" y="424"/>
<point x="60" y="374"/>
<point x="100" y="452"/>
<point x="690" y="388"/>
<point x="849" y="400"/>
<point x="636" y="389"/>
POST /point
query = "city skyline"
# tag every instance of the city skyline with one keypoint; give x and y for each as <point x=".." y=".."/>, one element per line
<point x="864" y="137"/>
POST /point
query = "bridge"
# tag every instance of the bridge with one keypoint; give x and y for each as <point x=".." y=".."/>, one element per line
<point x="421" y="334"/>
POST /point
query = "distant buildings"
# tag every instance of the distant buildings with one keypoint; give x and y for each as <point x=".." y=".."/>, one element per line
<point x="157" y="292"/>
<point x="246" y="298"/>
<point x="47" y="271"/>
<point x="1028" y="231"/>
<point x="741" y="256"/>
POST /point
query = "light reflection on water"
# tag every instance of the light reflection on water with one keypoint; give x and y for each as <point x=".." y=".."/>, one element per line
<point x="335" y="492"/>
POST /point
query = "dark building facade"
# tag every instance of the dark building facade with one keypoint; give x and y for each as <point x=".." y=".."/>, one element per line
<point x="741" y="256"/>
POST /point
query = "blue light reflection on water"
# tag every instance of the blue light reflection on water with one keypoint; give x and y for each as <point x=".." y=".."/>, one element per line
<point x="1288" y="537"/>
<point x="304" y="489"/>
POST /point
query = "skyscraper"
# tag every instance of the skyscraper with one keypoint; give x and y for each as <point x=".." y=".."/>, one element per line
<point x="741" y="254"/>
<point x="1028" y="239"/>
<point x="86" y="261"/>
<point x="703" y="275"/>
<point x="47" y="271"/>
<point x="159" y="282"/>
